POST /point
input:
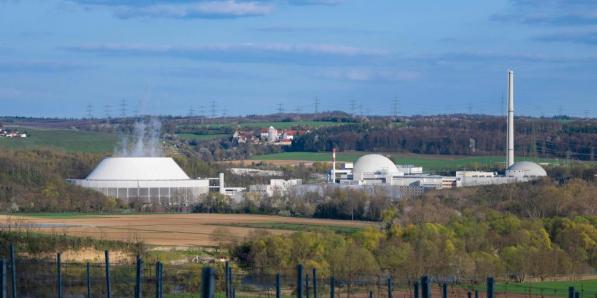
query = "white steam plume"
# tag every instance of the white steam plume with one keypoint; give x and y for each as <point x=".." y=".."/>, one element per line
<point x="144" y="141"/>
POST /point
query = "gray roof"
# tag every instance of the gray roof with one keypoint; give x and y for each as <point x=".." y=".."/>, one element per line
<point x="526" y="168"/>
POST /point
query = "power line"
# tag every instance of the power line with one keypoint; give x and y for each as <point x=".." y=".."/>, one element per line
<point x="213" y="109"/>
<point x="316" y="104"/>
<point x="108" y="111"/>
<point x="123" y="108"/>
<point x="90" y="111"/>
<point x="280" y="108"/>
<point x="395" y="107"/>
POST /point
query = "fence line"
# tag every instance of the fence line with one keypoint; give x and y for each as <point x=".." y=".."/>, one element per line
<point x="38" y="278"/>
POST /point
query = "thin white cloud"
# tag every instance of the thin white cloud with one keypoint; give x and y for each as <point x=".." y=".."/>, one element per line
<point x="272" y="53"/>
<point x="265" y="47"/>
<point x="189" y="9"/>
<point x="315" y="2"/>
<point x="370" y="75"/>
<point x="213" y="9"/>
<point x="551" y="12"/>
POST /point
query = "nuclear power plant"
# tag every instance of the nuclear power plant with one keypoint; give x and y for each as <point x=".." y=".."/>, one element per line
<point x="376" y="169"/>
<point x="159" y="180"/>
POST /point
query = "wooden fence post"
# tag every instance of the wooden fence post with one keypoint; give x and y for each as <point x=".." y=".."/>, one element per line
<point x="425" y="287"/>
<point x="416" y="289"/>
<point x="207" y="283"/>
<point x="390" y="287"/>
<point x="332" y="286"/>
<point x="107" y="262"/>
<point x="58" y="276"/>
<point x="227" y="280"/>
<point x="13" y="270"/>
<point x="230" y="280"/>
<point x="159" y="290"/>
<point x="490" y="283"/>
<point x="139" y="278"/>
<point x="445" y="290"/>
<point x="315" y="283"/>
<point x="278" y="293"/>
<point x="3" y="291"/>
<point x="307" y="286"/>
<point x="88" y="279"/>
<point x="299" y="281"/>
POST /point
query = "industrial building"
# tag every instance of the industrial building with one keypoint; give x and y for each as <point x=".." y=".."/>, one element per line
<point x="376" y="169"/>
<point x="157" y="180"/>
<point x="275" y="187"/>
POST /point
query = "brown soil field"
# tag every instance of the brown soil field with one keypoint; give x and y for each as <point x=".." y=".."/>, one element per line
<point x="179" y="230"/>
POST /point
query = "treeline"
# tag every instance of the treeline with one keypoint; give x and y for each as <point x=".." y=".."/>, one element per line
<point x="34" y="180"/>
<point x="465" y="247"/>
<point x="540" y="229"/>
<point x="537" y="200"/>
<point x="459" y="135"/>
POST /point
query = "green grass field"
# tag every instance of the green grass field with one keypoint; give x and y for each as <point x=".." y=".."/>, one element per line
<point x="276" y="124"/>
<point x="429" y="162"/>
<point x="196" y="137"/>
<point x="67" y="140"/>
<point x="587" y="288"/>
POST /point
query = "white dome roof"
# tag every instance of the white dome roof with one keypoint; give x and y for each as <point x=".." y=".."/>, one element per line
<point x="373" y="164"/>
<point x="526" y="168"/>
<point x="138" y="168"/>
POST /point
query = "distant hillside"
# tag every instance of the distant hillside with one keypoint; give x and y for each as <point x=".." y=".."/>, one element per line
<point x="459" y="135"/>
<point x="210" y="138"/>
<point x="62" y="139"/>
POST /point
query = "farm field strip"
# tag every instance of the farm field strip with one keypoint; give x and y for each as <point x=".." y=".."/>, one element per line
<point x="201" y="137"/>
<point x="276" y="124"/>
<point x="433" y="162"/>
<point x="68" y="140"/>
<point x="171" y="229"/>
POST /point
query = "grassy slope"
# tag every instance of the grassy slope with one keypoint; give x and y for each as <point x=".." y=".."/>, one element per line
<point x="68" y="140"/>
<point x="550" y="288"/>
<point x="190" y="136"/>
<point x="278" y="125"/>
<point x="431" y="162"/>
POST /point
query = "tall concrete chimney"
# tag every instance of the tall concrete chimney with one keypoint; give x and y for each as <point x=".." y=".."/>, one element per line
<point x="333" y="174"/>
<point x="510" y="148"/>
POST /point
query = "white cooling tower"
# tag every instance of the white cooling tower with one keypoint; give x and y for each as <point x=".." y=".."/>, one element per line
<point x="151" y="179"/>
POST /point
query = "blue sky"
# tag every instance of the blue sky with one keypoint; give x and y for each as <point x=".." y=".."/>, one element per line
<point x="57" y="57"/>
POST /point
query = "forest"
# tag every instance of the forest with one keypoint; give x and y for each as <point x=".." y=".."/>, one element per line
<point x="466" y="247"/>
<point x="539" y="230"/>
<point x="458" y="135"/>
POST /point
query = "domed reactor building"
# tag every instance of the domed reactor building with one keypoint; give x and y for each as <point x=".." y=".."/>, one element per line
<point x="378" y="170"/>
<point x="155" y="180"/>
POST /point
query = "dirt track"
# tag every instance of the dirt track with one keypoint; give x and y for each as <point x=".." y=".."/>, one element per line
<point x="164" y="229"/>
